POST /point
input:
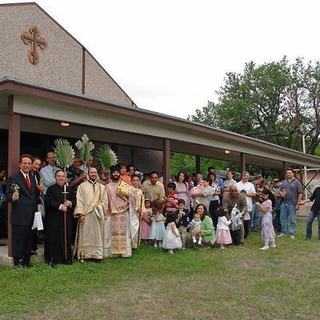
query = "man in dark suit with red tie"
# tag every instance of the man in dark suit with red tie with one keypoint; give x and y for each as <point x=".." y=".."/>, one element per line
<point x="23" y="193"/>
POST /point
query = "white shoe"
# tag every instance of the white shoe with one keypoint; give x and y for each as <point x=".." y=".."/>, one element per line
<point x="155" y="245"/>
<point x="200" y="242"/>
<point x="273" y="245"/>
<point x="292" y="237"/>
<point x="264" y="248"/>
<point x="222" y="247"/>
<point x="194" y="240"/>
<point x="171" y="251"/>
<point x="281" y="235"/>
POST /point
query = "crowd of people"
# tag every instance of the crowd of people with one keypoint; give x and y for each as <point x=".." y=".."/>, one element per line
<point x="91" y="214"/>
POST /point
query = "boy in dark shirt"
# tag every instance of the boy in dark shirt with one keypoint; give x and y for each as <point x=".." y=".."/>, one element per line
<point x="184" y="218"/>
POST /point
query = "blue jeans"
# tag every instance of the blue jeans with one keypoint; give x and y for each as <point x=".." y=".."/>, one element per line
<point x="288" y="218"/>
<point x="255" y="218"/>
<point x="310" y="220"/>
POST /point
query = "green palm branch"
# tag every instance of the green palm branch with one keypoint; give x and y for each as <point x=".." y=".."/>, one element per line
<point x="64" y="153"/>
<point x="106" y="157"/>
<point x="85" y="147"/>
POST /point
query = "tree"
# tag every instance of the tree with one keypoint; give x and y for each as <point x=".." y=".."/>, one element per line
<point x="276" y="102"/>
<point x="186" y="162"/>
<point x="180" y="161"/>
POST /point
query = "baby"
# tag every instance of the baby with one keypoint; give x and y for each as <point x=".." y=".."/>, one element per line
<point x="195" y="227"/>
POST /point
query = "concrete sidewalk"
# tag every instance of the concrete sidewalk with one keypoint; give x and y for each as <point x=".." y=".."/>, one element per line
<point x="4" y="258"/>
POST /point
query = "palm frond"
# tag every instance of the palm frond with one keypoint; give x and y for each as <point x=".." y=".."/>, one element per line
<point x="106" y="157"/>
<point x="64" y="152"/>
<point x="85" y="147"/>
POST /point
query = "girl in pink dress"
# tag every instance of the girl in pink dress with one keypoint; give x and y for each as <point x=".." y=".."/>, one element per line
<point x="146" y="221"/>
<point x="267" y="230"/>
<point x="223" y="230"/>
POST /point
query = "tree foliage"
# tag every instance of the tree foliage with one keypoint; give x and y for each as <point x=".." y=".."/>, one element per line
<point x="276" y="101"/>
<point x="186" y="162"/>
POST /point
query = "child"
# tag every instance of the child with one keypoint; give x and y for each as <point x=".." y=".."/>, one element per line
<point x="172" y="239"/>
<point x="195" y="227"/>
<point x="267" y="230"/>
<point x="157" y="226"/>
<point x="236" y="225"/>
<point x="171" y="205"/>
<point x="246" y="219"/>
<point x="124" y="176"/>
<point x="145" y="227"/>
<point x="183" y="221"/>
<point x="223" y="231"/>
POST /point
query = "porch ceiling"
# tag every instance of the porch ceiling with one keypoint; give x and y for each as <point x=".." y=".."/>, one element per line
<point x="186" y="136"/>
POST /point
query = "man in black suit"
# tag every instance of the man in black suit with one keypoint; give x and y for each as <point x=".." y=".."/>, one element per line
<point x="22" y="191"/>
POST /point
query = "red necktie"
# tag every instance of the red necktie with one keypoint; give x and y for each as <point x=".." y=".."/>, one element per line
<point x="28" y="182"/>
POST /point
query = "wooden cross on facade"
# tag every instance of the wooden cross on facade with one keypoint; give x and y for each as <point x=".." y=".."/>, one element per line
<point x="32" y="38"/>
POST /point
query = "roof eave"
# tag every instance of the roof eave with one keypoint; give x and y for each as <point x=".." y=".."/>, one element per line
<point x="16" y="87"/>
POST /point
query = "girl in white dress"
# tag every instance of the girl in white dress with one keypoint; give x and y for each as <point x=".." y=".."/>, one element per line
<point x="157" y="227"/>
<point x="195" y="227"/>
<point x="172" y="239"/>
<point x="267" y="230"/>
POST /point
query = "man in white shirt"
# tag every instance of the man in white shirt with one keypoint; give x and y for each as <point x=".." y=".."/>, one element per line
<point x="48" y="172"/>
<point x="250" y="190"/>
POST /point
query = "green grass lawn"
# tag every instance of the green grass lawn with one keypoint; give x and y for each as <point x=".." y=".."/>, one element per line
<point x="238" y="283"/>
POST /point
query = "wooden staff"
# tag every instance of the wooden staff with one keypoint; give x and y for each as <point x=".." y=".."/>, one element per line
<point x="140" y="219"/>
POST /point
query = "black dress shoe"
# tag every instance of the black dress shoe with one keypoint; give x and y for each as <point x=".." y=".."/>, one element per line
<point x="17" y="261"/>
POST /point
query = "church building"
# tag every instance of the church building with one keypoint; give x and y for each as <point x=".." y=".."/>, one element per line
<point x="52" y="86"/>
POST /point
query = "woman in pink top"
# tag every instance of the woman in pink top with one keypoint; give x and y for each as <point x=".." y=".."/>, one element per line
<point x="182" y="188"/>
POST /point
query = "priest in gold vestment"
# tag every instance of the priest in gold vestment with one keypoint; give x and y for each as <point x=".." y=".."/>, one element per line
<point x="90" y="211"/>
<point x="117" y="237"/>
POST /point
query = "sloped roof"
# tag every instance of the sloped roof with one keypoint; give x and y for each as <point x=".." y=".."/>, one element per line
<point x="99" y="83"/>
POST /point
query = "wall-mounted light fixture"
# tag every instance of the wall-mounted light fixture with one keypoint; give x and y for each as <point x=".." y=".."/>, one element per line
<point x="64" y="124"/>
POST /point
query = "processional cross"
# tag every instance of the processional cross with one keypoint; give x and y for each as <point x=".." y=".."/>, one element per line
<point x="65" y="193"/>
<point x="33" y="39"/>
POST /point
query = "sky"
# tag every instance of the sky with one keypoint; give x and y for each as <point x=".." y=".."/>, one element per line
<point x="171" y="56"/>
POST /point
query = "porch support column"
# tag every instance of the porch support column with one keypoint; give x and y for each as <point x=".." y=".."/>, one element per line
<point x="242" y="162"/>
<point x="14" y="136"/>
<point x="198" y="163"/>
<point x="166" y="161"/>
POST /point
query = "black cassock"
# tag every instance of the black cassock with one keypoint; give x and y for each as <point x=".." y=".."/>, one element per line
<point x="54" y="225"/>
